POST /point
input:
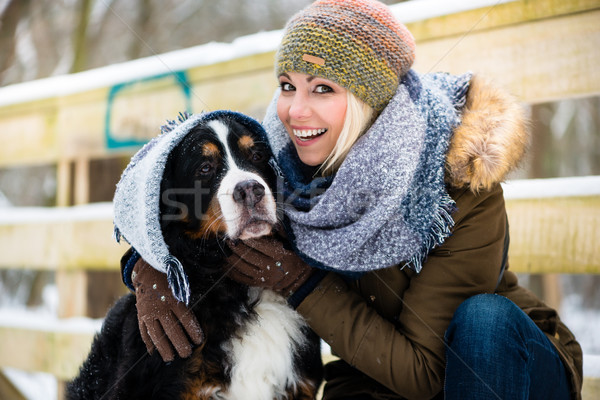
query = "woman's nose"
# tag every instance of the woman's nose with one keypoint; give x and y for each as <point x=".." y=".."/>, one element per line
<point x="300" y="107"/>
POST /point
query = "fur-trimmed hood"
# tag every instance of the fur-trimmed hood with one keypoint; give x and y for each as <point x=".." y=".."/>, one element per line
<point x="491" y="139"/>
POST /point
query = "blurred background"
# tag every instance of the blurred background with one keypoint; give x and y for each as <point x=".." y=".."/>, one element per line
<point x="45" y="39"/>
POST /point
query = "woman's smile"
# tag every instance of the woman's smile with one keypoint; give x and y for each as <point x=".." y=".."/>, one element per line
<point x="306" y="135"/>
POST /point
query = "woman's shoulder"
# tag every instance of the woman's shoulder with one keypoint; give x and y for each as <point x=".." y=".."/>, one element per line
<point x="491" y="139"/>
<point x="484" y="206"/>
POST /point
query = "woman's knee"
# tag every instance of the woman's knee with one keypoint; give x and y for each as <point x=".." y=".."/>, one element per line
<point x="483" y="315"/>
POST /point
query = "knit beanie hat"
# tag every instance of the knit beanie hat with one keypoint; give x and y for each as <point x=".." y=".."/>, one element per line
<point x="358" y="44"/>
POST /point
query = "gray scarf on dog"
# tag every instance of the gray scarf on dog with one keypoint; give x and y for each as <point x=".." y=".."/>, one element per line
<point x="387" y="204"/>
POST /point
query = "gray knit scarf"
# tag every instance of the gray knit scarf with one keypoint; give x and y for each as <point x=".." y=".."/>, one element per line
<point x="387" y="204"/>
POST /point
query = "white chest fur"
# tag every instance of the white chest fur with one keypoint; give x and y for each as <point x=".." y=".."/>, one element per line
<point x="263" y="357"/>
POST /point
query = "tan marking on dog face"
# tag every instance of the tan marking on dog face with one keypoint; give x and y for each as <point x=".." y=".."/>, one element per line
<point x="245" y="142"/>
<point x="212" y="224"/>
<point x="210" y="150"/>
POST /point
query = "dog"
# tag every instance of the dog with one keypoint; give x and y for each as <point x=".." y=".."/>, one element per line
<point x="217" y="185"/>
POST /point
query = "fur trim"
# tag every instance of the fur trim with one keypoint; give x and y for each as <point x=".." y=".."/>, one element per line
<point x="491" y="140"/>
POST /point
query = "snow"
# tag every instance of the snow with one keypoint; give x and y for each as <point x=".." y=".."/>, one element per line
<point x="591" y="365"/>
<point x="33" y="385"/>
<point x="40" y="215"/>
<point x="552" y="187"/>
<point x="44" y="322"/>
<point x="205" y="54"/>
<point x="418" y="10"/>
<point x="584" y="323"/>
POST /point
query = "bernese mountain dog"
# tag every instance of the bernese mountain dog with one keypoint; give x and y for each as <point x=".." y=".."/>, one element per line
<point x="217" y="184"/>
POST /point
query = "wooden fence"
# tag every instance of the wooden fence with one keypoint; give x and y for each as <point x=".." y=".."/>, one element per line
<point x="542" y="50"/>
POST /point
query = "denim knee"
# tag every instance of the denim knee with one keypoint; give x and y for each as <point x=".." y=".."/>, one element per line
<point x="492" y="342"/>
<point x="483" y="316"/>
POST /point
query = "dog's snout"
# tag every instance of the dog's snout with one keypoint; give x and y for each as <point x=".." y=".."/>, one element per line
<point x="248" y="192"/>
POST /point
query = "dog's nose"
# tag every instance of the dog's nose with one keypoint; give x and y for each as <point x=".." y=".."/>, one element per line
<point x="248" y="192"/>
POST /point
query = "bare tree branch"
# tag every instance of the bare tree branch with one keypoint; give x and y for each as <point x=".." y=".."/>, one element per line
<point x="80" y="37"/>
<point x="13" y="12"/>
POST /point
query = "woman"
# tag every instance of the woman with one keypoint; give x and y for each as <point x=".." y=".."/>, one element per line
<point x="391" y="183"/>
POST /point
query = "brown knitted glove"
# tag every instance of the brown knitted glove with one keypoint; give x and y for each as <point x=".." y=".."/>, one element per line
<point x="161" y="317"/>
<point x="266" y="263"/>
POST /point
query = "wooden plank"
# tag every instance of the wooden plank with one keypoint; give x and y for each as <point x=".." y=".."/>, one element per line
<point x="63" y="183"/>
<point x="69" y="240"/>
<point x="55" y="352"/>
<point x="82" y="181"/>
<point x="496" y="16"/>
<point x="28" y="137"/>
<point x="72" y="293"/>
<point x="548" y="235"/>
<point x="541" y="61"/>
<point x="555" y="235"/>
<point x="591" y="388"/>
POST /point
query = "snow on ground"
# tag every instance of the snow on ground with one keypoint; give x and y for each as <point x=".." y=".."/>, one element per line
<point x="584" y="323"/>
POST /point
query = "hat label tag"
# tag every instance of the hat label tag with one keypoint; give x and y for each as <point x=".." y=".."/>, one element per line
<point x="313" y="59"/>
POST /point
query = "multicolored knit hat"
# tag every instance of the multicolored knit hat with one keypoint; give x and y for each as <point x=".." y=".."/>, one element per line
<point x="358" y="44"/>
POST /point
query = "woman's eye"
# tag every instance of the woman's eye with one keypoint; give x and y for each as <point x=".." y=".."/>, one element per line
<point x="287" y="87"/>
<point x="323" y="89"/>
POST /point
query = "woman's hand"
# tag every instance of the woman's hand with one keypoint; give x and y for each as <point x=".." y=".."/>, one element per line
<point x="266" y="263"/>
<point x="163" y="321"/>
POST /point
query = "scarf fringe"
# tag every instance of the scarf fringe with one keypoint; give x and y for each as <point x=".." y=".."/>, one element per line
<point x="441" y="229"/>
<point x="172" y="124"/>
<point x="178" y="281"/>
<point x="117" y="235"/>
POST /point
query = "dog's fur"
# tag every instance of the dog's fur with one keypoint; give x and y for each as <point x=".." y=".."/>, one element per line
<point x="217" y="184"/>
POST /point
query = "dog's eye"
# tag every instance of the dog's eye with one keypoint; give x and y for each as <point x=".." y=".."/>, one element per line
<point x="205" y="169"/>
<point x="257" y="156"/>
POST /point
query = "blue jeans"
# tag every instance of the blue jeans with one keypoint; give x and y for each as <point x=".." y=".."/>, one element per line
<point x="495" y="351"/>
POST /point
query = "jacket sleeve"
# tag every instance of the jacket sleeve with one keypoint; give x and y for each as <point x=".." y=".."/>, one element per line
<point x="405" y="351"/>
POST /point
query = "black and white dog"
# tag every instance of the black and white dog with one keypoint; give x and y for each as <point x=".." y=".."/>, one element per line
<point x="217" y="183"/>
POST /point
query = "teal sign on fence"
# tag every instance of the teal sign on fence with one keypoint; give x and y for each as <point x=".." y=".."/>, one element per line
<point x="136" y="109"/>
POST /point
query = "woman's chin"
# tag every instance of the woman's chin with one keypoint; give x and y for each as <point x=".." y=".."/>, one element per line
<point x="311" y="160"/>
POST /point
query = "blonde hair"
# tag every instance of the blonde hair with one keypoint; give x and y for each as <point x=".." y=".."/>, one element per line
<point x="359" y="116"/>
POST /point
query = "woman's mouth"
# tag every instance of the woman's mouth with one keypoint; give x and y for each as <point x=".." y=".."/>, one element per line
<point x="305" y="135"/>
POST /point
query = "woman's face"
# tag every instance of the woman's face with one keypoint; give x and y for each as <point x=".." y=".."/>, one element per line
<point x="312" y="109"/>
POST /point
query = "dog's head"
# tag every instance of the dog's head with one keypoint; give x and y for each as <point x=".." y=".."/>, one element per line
<point x="218" y="183"/>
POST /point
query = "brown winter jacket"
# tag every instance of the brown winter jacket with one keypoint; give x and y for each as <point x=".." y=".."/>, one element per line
<point x="390" y="324"/>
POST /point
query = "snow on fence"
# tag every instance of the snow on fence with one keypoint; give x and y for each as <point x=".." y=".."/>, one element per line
<point x="540" y="49"/>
